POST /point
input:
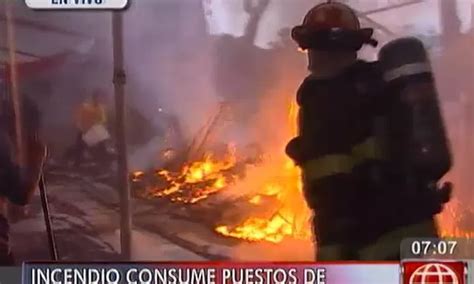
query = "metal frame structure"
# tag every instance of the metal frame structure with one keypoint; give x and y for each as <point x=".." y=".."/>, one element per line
<point x="366" y="15"/>
<point x="12" y="90"/>
<point x="119" y="83"/>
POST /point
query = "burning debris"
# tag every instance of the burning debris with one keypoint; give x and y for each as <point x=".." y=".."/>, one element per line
<point x="195" y="181"/>
<point x="275" y="204"/>
<point x="277" y="212"/>
<point x="192" y="174"/>
<point x="270" y="188"/>
<point x="288" y="218"/>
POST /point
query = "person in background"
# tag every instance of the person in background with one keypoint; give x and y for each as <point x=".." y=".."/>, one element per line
<point x="18" y="180"/>
<point x="89" y="114"/>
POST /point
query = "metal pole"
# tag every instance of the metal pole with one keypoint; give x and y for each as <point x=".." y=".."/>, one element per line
<point x="47" y="219"/>
<point x="14" y="88"/>
<point x="122" y="169"/>
<point x="16" y="99"/>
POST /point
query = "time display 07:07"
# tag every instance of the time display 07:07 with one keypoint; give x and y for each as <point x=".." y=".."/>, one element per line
<point x="427" y="247"/>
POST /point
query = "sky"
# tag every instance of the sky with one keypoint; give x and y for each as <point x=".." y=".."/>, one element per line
<point x="228" y="16"/>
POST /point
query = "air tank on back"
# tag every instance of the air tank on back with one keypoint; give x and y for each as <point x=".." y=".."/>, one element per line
<point x="417" y="136"/>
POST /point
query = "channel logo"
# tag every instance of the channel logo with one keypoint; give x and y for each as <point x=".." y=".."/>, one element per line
<point x="434" y="272"/>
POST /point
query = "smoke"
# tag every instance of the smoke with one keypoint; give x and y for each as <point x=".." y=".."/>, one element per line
<point x="169" y="67"/>
<point x="169" y="62"/>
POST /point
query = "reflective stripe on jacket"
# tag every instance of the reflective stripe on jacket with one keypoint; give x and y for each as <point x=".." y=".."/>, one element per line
<point x="334" y="164"/>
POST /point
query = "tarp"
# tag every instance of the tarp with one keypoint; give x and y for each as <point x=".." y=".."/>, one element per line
<point x="39" y="46"/>
<point x="31" y="68"/>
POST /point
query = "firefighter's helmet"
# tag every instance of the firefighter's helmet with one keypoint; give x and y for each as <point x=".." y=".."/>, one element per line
<point x="332" y="26"/>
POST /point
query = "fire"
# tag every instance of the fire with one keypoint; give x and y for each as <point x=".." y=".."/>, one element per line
<point x="305" y="51"/>
<point x="137" y="176"/>
<point x="449" y="221"/>
<point x="290" y="218"/>
<point x="286" y="215"/>
<point x="197" y="180"/>
<point x="256" y="229"/>
<point x="457" y="234"/>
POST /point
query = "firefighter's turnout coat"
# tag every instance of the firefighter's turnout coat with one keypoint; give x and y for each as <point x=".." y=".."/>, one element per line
<point x="361" y="210"/>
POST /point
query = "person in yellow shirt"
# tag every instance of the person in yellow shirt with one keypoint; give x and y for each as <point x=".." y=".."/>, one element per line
<point x="88" y="114"/>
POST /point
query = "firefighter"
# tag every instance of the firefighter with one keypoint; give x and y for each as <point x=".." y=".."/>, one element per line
<point x="364" y="202"/>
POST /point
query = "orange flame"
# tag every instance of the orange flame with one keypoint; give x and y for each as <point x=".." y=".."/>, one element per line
<point x="137" y="176"/>
<point x="197" y="180"/>
<point x="290" y="219"/>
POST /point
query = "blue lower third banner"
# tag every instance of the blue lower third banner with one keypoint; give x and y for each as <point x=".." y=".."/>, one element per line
<point x="241" y="273"/>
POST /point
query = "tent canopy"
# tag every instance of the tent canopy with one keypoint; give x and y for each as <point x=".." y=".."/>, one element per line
<point x="39" y="47"/>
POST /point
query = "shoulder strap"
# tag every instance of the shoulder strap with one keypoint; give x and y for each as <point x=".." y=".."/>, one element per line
<point x="369" y="71"/>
